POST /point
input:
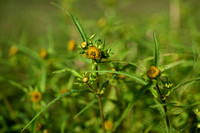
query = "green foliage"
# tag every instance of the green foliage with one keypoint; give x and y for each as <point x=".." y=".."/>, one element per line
<point x="45" y="59"/>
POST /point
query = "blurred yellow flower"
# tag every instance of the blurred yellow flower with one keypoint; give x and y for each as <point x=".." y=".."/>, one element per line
<point x="153" y="72"/>
<point x="36" y="96"/>
<point x="108" y="125"/>
<point x="45" y="131"/>
<point x="13" y="50"/>
<point x="43" y="53"/>
<point x="102" y="22"/>
<point x="93" y="52"/>
<point x="71" y="45"/>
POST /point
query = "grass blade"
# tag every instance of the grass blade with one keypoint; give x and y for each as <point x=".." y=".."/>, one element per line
<point x="157" y="56"/>
<point x="49" y="104"/>
<point x="75" y="73"/>
<point x="171" y="65"/>
<point x="136" y="78"/>
<point x="130" y="105"/>
<point x="76" y="22"/>
<point x="85" y="108"/>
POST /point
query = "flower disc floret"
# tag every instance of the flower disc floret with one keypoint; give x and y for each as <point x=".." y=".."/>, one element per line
<point x="153" y="72"/>
<point x="93" y="52"/>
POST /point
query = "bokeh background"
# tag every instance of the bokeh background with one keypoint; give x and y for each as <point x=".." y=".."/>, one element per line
<point x="127" y="27"/>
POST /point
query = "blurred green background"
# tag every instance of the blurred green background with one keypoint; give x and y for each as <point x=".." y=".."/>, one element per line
<point x="127" y="27"/>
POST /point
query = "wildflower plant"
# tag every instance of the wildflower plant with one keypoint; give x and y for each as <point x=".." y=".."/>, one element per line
<point x="154" y="80"/>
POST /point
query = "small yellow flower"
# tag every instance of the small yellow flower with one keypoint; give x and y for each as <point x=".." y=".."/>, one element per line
<point x="153" y="72"/>
<point x="36" y="96"/>
<point x="108" y="125"/>
<point x="83" y="45"/>
<point x="71" y="45"/>
<point x="93" y="52"/>
<point x="85" y="79"/>
<point x="43" y="53"/>
<point x="13" y="50"/>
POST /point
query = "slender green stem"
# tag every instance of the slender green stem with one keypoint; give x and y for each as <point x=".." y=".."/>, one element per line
<point x="165" y="106"/>
<point x="99" y="99"/>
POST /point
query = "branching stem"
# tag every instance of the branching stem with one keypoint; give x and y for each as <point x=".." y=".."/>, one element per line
<point x="99" y="99"/>
<point x="164" y="106"/>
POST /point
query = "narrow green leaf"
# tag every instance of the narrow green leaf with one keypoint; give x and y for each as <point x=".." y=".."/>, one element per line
<point x="85" y="108"/>
<point x="157" y="58"/>
<point x="130" y="105"/>
<point x="75" y="73"/>
<point x="136" y="78"/>
<point x="171" y="65"/>
<point x="42" y="81"/>
<point x="49" y="104"/>
<point x="76" y="22"/>
<point x="162" y="112"/>
<point x="181" y="84"/>
<point x="154" y="92"/>
<point x="17" y="85"/>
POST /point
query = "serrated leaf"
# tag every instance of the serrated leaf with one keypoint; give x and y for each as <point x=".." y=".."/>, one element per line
<point x="75" y="73"/>
<point x="49" y="104"/>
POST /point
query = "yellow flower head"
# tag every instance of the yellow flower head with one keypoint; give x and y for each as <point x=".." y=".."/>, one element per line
<point x="108" y="125"/>
<point x="71" y="45"/>
<point x="13" y="50"/>
<point x="93" y="52"/>
<point x="36" y="96"/>
<point x="153" y="72"/>
<point x="85" y="79"/>
<point x="43" y="53"/>
<point x="83" y="45"/>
